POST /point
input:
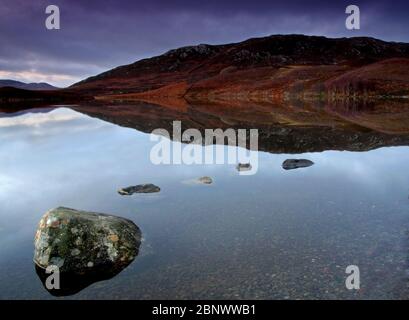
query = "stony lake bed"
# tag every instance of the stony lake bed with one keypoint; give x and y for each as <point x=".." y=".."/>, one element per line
<point x="205" y="230"/>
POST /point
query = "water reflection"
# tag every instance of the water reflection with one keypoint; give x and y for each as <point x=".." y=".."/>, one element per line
<point x="72" y="283"/>
<point x="289" y="128"/>
<point x="276" y="234"/>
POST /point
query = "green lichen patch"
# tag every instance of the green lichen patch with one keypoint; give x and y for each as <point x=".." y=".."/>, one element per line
<point x="80" y="241"/>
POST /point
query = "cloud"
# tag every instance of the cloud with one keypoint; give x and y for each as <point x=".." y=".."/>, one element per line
<point x="39" y="119"/>
<point x="99" y="35"/>
<point x="32" y="76"/>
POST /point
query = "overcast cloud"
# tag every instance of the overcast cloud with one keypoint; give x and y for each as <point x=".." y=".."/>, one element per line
<point x="97" y="35"/>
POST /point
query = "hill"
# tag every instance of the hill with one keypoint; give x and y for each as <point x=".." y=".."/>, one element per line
<point x="26" y="86"/>
<point x="271" y="67"/>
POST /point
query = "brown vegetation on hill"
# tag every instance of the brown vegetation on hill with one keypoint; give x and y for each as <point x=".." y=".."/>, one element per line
<point x="263" y="69"/>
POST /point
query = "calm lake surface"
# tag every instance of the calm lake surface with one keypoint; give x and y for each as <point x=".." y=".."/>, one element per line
<point x="274" y="235"/>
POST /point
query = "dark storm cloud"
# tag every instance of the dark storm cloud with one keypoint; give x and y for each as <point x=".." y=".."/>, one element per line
<point x="97" y="35"/>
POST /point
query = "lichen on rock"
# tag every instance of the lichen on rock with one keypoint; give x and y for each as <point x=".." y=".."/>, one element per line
<point x="77" y="241"/>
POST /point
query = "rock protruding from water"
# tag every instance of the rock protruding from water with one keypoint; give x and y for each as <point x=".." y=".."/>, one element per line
<point x="141" y="188"/>
<point x="205" y="180"/>
<point x="291" y="164"/>
<point x="243" y="167"/>
<point x="85" y="246"/>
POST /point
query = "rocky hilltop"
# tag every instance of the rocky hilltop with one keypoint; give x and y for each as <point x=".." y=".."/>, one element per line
<point x="271" y="67"/>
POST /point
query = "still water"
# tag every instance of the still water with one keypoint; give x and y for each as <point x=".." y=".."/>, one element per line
<point x="274" y="235"/>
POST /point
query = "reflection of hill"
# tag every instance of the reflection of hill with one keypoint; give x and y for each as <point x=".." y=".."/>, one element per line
<point x="293" y="128"/>
<point x="388" y="116"/>
<point x="18" y="112"/>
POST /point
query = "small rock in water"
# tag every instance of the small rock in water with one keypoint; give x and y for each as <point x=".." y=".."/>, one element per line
<point x="243" y="167"/>
<point x="85" y="246"/>
<point x="141" y="188"/>
<point x="291" y="164"/>
<point x="205" y="180"/>
<point x="201" y="180"/>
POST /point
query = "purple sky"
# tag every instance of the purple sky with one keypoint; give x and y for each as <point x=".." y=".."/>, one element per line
<point x="97" y="35"/>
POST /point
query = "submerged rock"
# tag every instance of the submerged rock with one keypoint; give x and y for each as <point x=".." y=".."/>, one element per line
<point x="85" y="246"/>
<point x="201" y="180"/>
<point x="291" y="164"/>
<point x="243" y="167"/>
<point x="205" y="180"/>
<point x="141" y="188"/>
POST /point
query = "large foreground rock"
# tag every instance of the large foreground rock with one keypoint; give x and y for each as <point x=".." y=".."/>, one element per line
<point x="85" y="246"/>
